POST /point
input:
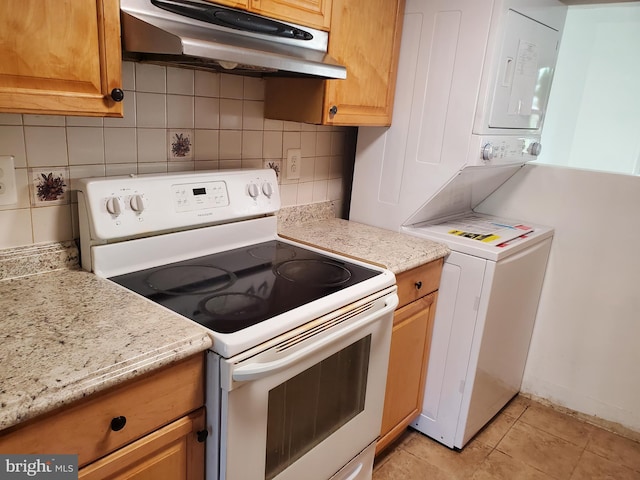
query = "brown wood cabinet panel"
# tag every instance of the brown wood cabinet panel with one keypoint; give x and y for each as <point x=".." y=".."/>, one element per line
<point x="365" y="37"/>
<point x="85" y="428"/>
<point x="60" y="57"/>
<point x="408" y="361"/>
<point x="418" y="282"/>
<point x="172" y="452"/>
<point x="311" y="13"/>
<point x="242" y="4"/>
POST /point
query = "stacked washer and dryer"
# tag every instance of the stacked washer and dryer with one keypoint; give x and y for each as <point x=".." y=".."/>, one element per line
<point x="474" y="78"/>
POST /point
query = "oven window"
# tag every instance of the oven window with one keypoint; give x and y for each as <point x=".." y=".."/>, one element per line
<point x="309" y="407"/>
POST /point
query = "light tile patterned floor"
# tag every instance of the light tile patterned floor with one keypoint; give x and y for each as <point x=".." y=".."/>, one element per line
<point x="525" y="441"/>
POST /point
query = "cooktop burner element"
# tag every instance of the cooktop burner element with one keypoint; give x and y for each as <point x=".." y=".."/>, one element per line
<point x="314" y="272"/>
<point x="232" y="290"/>
<point x="190" y="279"/>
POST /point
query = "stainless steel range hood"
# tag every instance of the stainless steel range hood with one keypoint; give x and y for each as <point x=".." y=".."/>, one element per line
<point x="204" y="35"/>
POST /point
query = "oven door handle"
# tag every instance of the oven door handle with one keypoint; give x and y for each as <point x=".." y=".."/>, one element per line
<point x="256" y="370"/>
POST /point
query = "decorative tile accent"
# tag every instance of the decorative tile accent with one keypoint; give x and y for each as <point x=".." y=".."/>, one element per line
<point x="49" y="186"/>
<point x="180" y="145"/>
<point x="275" y="165"/>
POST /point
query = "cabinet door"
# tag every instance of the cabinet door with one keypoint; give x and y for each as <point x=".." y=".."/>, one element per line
<point x="410" y="343"/>
<point x="313" y="13"/>
<point x="243" y="4"/>
<point x="365" y="36"/>
<point x="170" y="452"/>
<point x="60" y="57"/>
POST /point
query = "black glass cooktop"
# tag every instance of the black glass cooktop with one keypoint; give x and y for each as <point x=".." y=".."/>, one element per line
<point x="232" y="290"/>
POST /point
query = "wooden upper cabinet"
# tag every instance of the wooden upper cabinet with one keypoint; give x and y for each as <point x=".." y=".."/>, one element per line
<point x="365" y="37"/>
<point x="311" y="13"/>
<point x="243" y="4"/>
<point x="60" y="57"/>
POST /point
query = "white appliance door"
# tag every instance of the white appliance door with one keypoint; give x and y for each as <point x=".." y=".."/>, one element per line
<point x="306" y="406"/>
<point x="455" y="322"/>
<point x="523" y="82"/>
<point x="503" y="332"/>
<point x="360" y="468"/>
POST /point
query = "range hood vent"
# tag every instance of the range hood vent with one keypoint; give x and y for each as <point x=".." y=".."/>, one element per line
<point x="207" y="36"/>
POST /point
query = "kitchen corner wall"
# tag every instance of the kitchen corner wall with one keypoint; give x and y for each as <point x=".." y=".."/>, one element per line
<point x="584" y="352"/>
<point x="222" y="117"/>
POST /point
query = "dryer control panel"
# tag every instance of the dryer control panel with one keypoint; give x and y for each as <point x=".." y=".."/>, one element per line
<point x="503" y="150"/>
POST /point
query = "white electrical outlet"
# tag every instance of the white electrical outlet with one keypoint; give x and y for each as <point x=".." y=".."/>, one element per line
<point x="293" y="163"/>
<point x="8" y="192"/>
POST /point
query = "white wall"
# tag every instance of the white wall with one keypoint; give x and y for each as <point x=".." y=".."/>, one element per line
<point x="585" y="351"/>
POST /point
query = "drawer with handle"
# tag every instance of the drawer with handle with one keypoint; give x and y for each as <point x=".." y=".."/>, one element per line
<point x="418" y="282"/>
<point x="101" y="424"/>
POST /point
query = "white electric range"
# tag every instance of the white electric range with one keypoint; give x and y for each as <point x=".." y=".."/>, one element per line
<point x="297" y="371"/>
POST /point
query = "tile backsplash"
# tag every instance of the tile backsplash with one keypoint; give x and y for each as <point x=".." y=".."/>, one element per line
<point x="174" y="120"/>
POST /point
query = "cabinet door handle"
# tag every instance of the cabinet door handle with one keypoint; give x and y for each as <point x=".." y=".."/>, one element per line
<point x="117" y="95"/>
<point x="333" y="110"/>
<point x="418" y="285"/>
<point x="202" y="435"/>
<point x="118" y="423"/>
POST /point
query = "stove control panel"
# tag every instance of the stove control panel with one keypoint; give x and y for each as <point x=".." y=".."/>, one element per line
<point x="199" y="196"/>
<point x="120" y="207"/>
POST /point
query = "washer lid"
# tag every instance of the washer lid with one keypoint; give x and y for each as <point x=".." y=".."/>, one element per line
<point x="463" y="192"/>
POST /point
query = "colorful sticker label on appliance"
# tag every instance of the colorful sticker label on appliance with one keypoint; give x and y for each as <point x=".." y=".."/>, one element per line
<point x="482" y="237"/>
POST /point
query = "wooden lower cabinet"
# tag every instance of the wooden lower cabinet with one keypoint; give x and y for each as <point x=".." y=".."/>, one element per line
<point x="146" y="428"/>
<point x="172" y="452"/>
<point x="410" y="346"/>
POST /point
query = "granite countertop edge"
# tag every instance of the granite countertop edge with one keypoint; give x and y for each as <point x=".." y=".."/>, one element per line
<point x="101" y="381"/>
<point x="67" y="334"/>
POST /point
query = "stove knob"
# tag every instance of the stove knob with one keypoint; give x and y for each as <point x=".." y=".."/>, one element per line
<point x="267" y="189"/>
<point x="114" y="206"/>
<point x="137" y="203"/>
<point x="535" y="148"/>
<point x="488" y="152"/>
<point x="252" y="190"/>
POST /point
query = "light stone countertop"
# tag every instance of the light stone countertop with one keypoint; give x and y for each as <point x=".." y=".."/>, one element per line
<point x="394" y="250"/>
<point x="67" y="333"/>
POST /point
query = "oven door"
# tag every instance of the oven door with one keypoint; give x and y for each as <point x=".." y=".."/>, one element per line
<point x="310" y="401"/>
